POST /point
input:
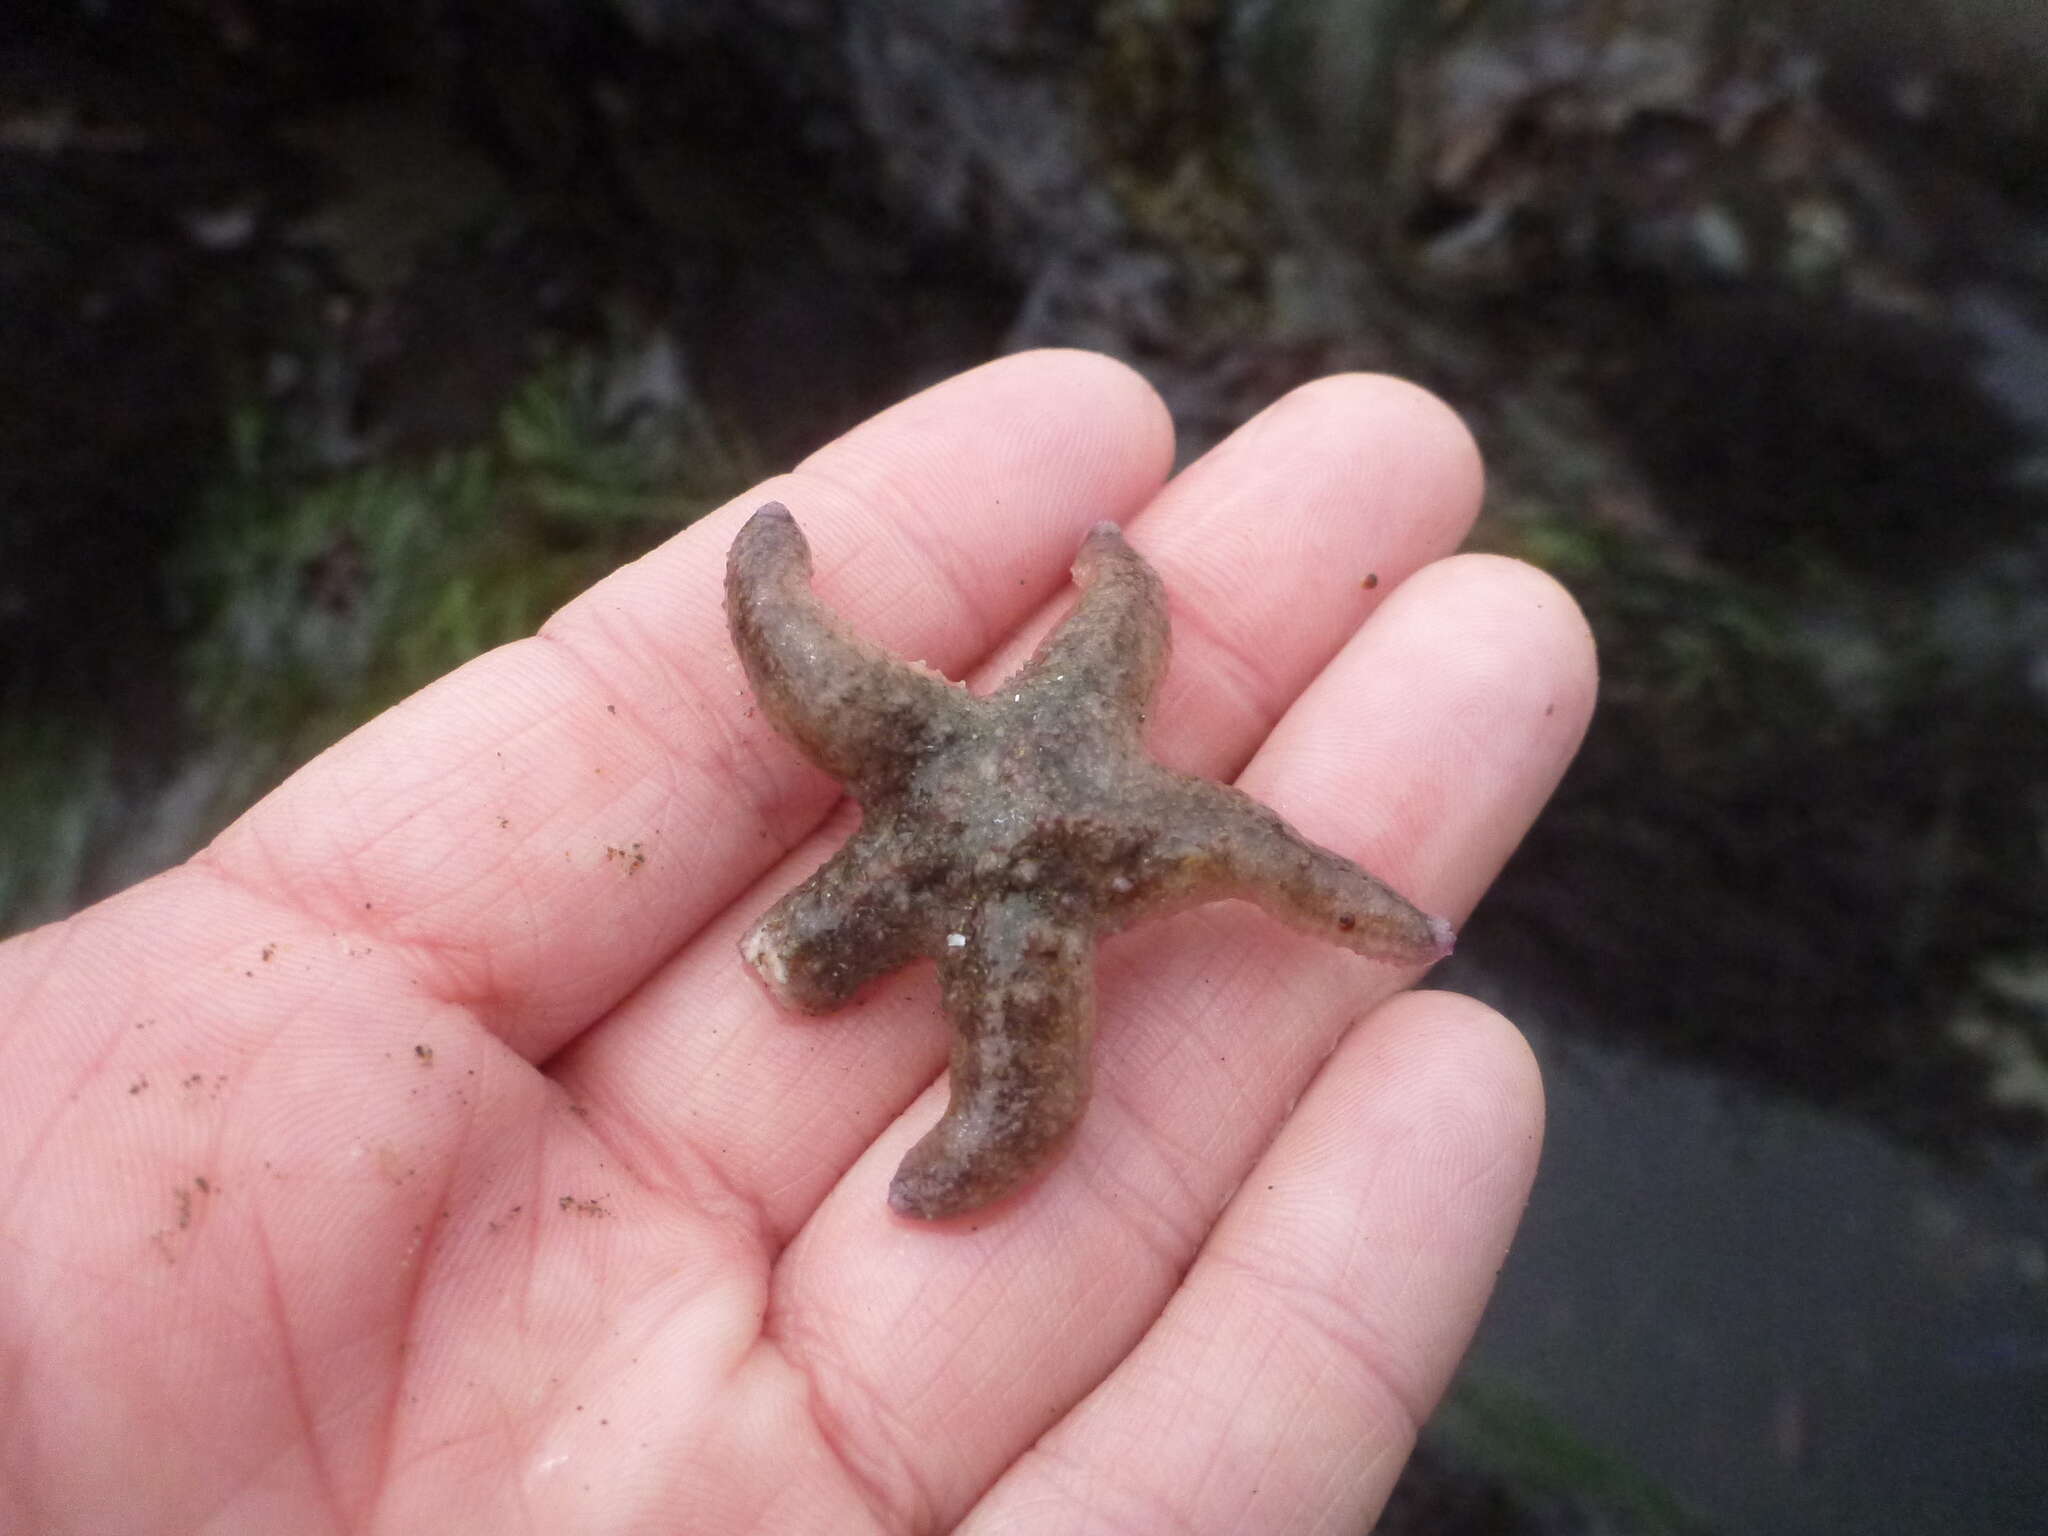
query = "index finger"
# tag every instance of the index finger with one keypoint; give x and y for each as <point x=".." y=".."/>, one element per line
<point x="538" y="829"/>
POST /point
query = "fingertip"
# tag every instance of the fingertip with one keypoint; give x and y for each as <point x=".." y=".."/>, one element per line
<point x="1424" y="1127"/>
<point x="1431" y="1106"/>
<point x="1508" y="644"/>
<point x="1535" y="591"/>
<point x="1478" y="1047"/>
<point x="1097" y="376"/>
<point x="1424" y="450"/>
<point x="1090" y="420"/>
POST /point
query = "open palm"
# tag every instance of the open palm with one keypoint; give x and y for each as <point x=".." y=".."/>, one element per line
<point x="420" y="1157"/>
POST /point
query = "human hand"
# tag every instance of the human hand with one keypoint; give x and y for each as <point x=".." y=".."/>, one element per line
<point x="421" y="1156"/>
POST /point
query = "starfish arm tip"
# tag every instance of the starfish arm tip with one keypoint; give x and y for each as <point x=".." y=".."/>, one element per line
<point x="772" y="531"/>
<point x="927" y="1188"/>
<point x="904" y="1201"/>
<point x="796" y="978"/>
<point x="940" y="1188"/>
<point x="767" y="960"/>
<point x="1443" y="936"/>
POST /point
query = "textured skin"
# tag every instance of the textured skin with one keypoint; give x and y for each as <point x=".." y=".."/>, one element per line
<point x="1002" y="836"/>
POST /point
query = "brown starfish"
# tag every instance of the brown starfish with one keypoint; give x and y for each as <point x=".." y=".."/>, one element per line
<point x="1001" y="836"/>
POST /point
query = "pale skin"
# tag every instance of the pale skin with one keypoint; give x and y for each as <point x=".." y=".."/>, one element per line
<point x="422" y="1157"/>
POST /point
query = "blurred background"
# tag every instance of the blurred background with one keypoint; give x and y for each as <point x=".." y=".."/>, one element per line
<point x="343" y="340"/>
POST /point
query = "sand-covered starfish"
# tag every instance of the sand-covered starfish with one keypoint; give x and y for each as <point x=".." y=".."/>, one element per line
<point x="1002" y="836"/>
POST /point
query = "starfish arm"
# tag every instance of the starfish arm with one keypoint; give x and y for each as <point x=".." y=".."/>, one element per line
<point x="1020" y="993"/>
<point x="855" y="710"/>
<point x="1229" y="845"/>
<point x="861" y="916"/>
<point x="1109" y="654"/>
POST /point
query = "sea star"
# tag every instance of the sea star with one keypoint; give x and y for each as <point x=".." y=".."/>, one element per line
<point x="1001" y="836"/>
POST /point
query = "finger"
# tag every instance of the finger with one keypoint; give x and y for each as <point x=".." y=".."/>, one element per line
<point x="1320" y="1323"/>
<point x="1278" y="544"/>
<point x="1477" y="677"/>
<point x="537" y="830"/>
<point x="1344" y="477"/>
